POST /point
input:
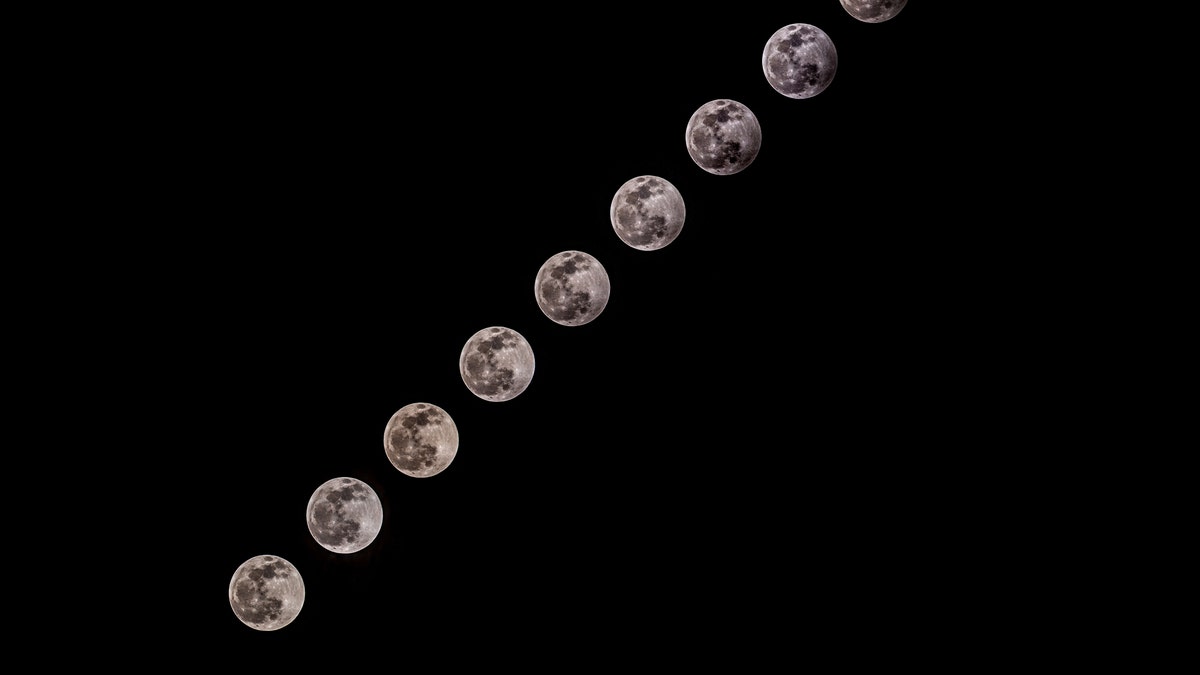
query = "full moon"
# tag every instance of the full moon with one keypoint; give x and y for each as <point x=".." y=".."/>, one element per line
<point x="420" y="440"/>
<point x="344" y="515"/>
<point x="496" y="363"/>
<point x="723" y="137"/>
<point x="873" y="11"/>
<point x="266" y="592"/>
<point x="647" y="212"/>
<point x="799" y="60"/>
<point x="571" y="288"/>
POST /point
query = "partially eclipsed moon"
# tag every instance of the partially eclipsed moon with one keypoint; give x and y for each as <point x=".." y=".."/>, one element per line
<point x="647" y="212"/>
<point x="723" y="137"/>
<point x="873" y="11"/>
<point x="496" y="363"/>
<point x="420" y="440"/>
<point x="572" y="288"/>
<point x="266" y="592"/>
<point x="344" y="515"/>
<point x="799" y="60"/>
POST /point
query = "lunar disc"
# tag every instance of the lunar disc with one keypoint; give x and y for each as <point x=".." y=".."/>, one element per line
<point x="420" y="440"/>
<point x="647" y="212"/>
<point x="799" y="60"/>
<point x="344" y="515"/>
<point x="571" y="288"/>
<point x="723" y="137"/>
<point x="266" y="592"/>
<point x="873" y="11"/>
<point x="496" y="364"/>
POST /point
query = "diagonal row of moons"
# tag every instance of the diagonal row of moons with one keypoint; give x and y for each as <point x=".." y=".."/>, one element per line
<point x="647" y="212"/>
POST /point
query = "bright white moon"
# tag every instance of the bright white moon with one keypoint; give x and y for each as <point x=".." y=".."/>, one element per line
<point x="873" y="11"/>
<point x="266" y="592"/>
<point x="723" y="137"/>
<point x="647" y="212"/>
<point x="799" y="60"/>
<point x="572" y="288"/>
<point x="344" y="515"/>
<point x="496" y="363"/>
<point x="420" y="440"/>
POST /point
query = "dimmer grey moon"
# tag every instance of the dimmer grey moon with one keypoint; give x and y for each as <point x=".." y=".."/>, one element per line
<point x="723" y="137"/>
<point x="496" y="364"/>
<point x="647" y="212"/>
<point x="873" y="11"/>
<point x="266" y="592"/>
<point x="420" y="440"/>
<point x="344" y="515"/>
<point x="572" y="288"/>
<point x="799" y="60"/>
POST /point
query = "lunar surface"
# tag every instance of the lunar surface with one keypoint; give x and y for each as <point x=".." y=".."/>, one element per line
<point x="647" y="212"/>
<point x="572" y="288"/>
<point x="344" y="515"/>
<point x="799" y="60"/>
<point x="873" y="11"/>
<point x="723" y="137"/>
<point x="420" y="440"/>
<point x="496" y="363"/>
<point x="266" y="592"/>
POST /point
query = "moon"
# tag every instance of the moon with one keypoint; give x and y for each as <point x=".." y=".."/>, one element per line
<point x="873" y="11"/>
<point x="344" y="515"/>
<point x="647" y="212"/>
<point x="420" y="440"/>
<point x="266" y="592"/>
<point x="723" y="137"/>
<point x="799" y="60"/>
<point x="496" y="363"/>
<point x="572" y="288"/>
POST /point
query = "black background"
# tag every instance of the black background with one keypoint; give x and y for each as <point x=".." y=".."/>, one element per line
<point x="757" y="439"/>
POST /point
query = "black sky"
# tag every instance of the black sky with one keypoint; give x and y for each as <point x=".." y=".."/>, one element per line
<point x="750" y="423"/>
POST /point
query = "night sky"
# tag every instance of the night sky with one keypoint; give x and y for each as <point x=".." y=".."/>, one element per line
<point x="752" y="422"/>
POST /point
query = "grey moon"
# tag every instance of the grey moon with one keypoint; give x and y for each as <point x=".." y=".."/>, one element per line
<point x="572" y="288"/>
<point x="873" y="11"/>
<point x="420" y="440"/>
<point x="496" y="364"/>
<point x="344" y="515"/>
<point x="647" y="212"/>
<point x="266" y="592"/>
<point x="723" y="137"/>
<point x="799" y="60"/>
